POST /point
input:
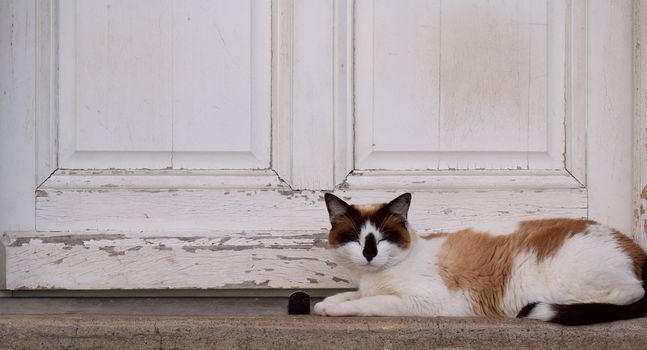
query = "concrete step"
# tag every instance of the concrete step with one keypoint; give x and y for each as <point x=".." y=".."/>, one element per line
<point x="263" y="323"/>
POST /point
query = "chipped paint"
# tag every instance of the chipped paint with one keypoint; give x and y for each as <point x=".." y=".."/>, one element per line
<point x="278" y="257"/>
<point x="331" y="264"/>
<point x="41" y="193"/>
<point x="247" y="284"/>
<point x="337" y="279"/>
<point x="216" y="248"/>
<point x="288" y="258"/>
<point x="68" y="240"/>
<point x="111" y="251"/>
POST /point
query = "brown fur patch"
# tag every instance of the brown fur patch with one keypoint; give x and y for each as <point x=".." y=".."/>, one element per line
<point x="343" y="230"/>
<point x="635" y="253"/>
<point x="346" y="228"/>
<point x="481" y="264"/>
<point x="545" y="237"/>
<point x="435" y="235"/>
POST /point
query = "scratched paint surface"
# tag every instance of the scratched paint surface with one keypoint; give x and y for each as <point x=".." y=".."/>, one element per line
<point x="208" y="260"/>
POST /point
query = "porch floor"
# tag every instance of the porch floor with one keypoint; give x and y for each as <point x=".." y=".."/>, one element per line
<point x="249" y="323"/>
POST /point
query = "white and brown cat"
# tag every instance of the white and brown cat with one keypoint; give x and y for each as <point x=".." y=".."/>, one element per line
<point x="567" y="271"/>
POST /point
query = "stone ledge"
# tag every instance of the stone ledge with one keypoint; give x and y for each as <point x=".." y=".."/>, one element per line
<point x="252" y="323"/>
<point x="307" y="332"/>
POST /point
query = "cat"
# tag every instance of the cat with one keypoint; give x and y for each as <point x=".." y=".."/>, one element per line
<point x="567" y="271"/>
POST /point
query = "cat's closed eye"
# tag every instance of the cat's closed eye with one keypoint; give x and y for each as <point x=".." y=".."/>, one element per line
<point x="347" y="237"/>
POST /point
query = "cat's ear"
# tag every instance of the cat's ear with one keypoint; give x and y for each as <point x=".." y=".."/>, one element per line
<point x="400" y="205"/>
<point x="336" y="207"/>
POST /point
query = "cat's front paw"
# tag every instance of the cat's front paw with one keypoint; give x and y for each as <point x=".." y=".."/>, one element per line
<point x="325" y="308"/>
<point x="321" y="307"/>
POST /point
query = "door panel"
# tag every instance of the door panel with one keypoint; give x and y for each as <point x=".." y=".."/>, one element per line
<point x="172" y="84"/>
<point x="459" y="85"/>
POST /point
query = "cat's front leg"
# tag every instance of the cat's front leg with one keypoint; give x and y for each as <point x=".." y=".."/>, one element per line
<point x="379" y="305"/>
<point x="341" y="297"/>
<point x="335" y="299"/>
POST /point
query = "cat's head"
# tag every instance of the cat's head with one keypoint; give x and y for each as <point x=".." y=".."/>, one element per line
<point x="369" y="237"/>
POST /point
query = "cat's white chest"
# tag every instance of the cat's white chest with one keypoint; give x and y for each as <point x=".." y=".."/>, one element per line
<point x="417" y="278"/>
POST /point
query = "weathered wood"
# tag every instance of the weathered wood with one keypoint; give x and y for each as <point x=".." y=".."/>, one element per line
<point x="46" y="82"/>
<point x="474" y="85"/>
<point x="303" y="87"/>
<point x="169" y="84"/>
<point x="17" y="114"/>
<point x="609" y="108"/>
<point x="640" y="122"/>
<point x="343" y="98"/>
<point x="483" y="179"/>
<point x="115" y="208"/>
<point x="116" y="260"/>
<point x="17" y="118"/>
<point x="576" y="90"/>
<point x="163" y="179"/>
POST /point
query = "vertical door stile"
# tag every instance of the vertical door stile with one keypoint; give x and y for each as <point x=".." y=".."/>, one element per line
<point x="308" y="86"/>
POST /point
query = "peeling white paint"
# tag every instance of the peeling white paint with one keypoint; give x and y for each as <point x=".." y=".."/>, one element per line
<point x="287" y="259"/>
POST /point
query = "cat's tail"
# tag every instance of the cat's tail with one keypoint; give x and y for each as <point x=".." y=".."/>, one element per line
<point x="580" y="314"/>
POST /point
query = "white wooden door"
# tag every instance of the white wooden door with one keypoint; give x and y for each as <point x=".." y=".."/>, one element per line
<point x="188" y="144"/>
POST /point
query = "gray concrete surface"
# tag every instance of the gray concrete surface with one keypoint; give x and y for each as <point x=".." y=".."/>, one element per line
<point x="238" y="323"/>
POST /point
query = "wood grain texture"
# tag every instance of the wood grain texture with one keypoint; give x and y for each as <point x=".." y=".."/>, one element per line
<point x="229" y="260"/>
<point x="18" y="172"/>
<point x="487" y="60"/>
<point x="576" y="90"/>
<point x="162" y="179"/>
<point x="146" y="85"/>
<point x="609" y="108"/>
<point x="448" y="179"/>
<point x="46" y="83"/>
<point x="123" y="237"/>
<point x="474" y="85"/>
<point x="303" y="93"/>
<point x="17" y="114"/>
<point x="344" y="100"/>
<point x="114" y="208"/>
<point x="640" y="122"/>
<point x="221" y="95"/>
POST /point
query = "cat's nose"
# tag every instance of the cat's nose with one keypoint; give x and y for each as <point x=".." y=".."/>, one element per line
<point x="370" y="248"/>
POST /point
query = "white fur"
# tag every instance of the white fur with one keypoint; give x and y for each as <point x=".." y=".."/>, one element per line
<point x="587" y="268"/>
<point x="406" y="285"/>
<point x="542" y="311"/>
